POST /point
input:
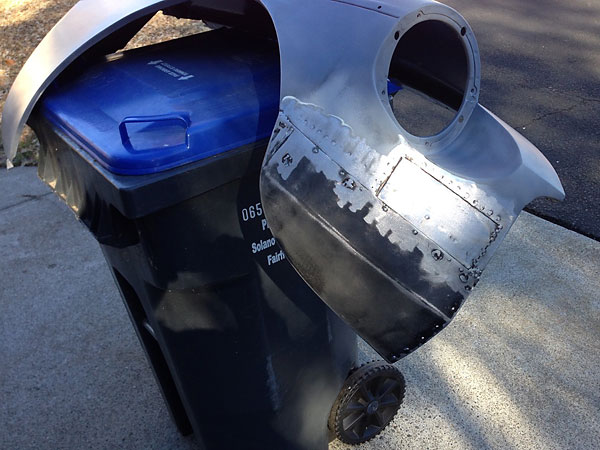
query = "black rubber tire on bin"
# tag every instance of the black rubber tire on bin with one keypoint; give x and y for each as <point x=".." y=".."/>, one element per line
<point x="367" y="403"/>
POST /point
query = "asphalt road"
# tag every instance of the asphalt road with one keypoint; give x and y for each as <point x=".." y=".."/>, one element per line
<point x="541" y="74"/>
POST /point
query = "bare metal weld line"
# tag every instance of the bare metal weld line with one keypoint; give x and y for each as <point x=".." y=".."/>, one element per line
<point x="380" y="188"/>
<point x="278" y="144"/>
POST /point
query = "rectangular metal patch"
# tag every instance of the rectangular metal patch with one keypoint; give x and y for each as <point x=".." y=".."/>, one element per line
<point x="434" y="210"/>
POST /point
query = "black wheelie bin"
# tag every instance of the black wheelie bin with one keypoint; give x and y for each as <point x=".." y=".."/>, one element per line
<point x="158" y="151"/>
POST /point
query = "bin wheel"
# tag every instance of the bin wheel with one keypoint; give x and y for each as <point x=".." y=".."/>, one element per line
<point x="368" y="402"/>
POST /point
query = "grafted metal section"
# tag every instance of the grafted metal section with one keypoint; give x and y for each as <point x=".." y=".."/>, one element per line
<point x="391" y="229"/>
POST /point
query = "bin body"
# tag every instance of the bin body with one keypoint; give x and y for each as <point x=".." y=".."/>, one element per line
<point x="245" y="354"/>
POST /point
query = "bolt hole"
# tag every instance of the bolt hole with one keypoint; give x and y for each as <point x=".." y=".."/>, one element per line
<point x="463" y="31"/>
<point x="396" y="35"/>
<point x="379" y="7"/>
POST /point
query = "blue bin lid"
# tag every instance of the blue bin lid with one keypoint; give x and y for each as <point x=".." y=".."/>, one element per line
<point x="158" y="107"/>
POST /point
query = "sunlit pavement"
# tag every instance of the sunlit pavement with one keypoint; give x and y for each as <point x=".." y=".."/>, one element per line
<point x="517" y="368"/>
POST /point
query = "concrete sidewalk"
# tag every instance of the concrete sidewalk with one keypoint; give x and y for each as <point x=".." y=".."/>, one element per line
<point x="518" y="367"/>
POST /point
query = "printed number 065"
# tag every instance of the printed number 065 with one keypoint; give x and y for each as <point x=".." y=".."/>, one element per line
<point x="252" y="212"/>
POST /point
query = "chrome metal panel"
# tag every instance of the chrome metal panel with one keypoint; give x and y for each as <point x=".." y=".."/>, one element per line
<point x="390" y="229"/>
<point x="84" y="25"/>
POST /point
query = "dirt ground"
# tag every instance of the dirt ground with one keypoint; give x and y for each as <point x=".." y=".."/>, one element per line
<point x="24" y="23"/>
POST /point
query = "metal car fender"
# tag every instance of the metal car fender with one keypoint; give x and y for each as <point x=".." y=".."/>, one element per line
<point x="391" y="230"/>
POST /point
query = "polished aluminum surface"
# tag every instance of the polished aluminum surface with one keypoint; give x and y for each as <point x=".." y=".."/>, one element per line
<point x="391" y="230"/>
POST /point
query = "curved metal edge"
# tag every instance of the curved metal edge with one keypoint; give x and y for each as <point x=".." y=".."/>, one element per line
<point x="538" y="173"/>
<point x="84" y="25"/>
<point x="337" y="153"/>
<point x="358" y="96"/>
<point x="348" y="75"/>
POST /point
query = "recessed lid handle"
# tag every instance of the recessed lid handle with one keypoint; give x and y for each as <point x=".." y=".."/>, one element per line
<point x="157" y="132"/>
